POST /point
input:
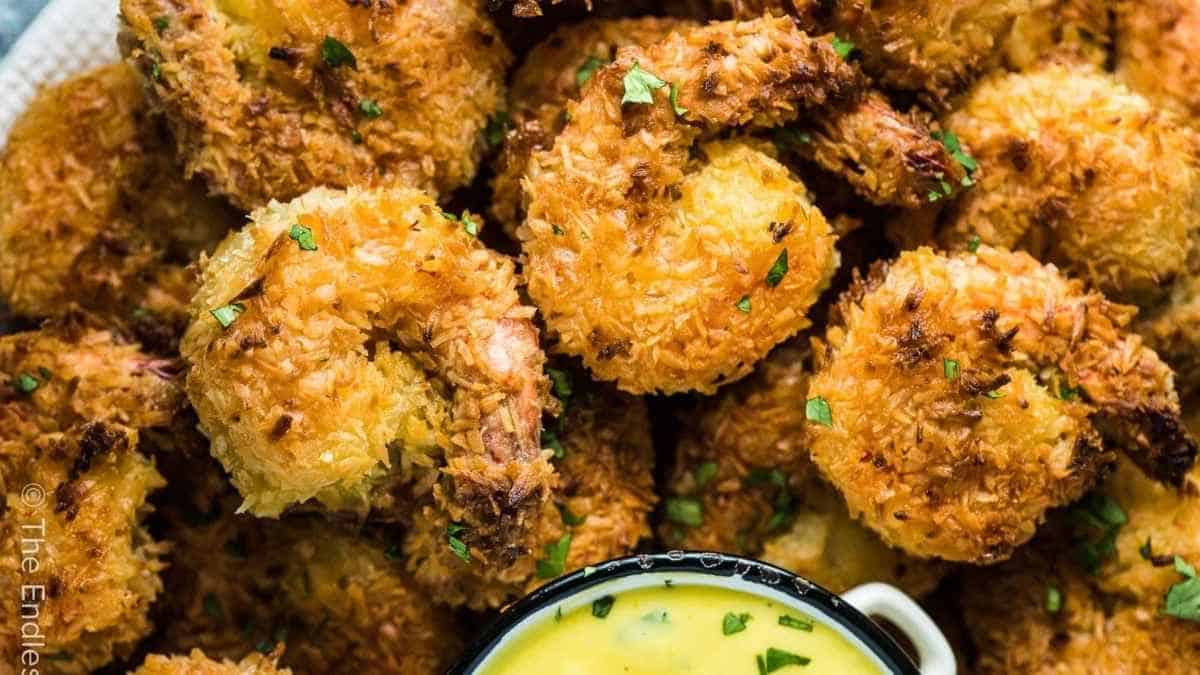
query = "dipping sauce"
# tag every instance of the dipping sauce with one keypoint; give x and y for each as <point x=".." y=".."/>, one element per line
<point x="682" y="628"/>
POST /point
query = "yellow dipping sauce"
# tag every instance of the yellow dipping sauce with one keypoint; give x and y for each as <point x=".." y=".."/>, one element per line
<point x="679" y="629"/>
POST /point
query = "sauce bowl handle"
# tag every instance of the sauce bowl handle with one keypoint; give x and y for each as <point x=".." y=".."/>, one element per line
<point x="933" y="652"/>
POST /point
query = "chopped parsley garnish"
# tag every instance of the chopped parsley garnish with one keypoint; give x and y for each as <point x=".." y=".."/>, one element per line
<point x="639" y="85"/>
<point x="817" y="410"/>
<point x="550" y="440"/>
<point x="734" y="623"/>
<point x="994" y="394"/>
<point x="556" y="558"/>
<point x="954" y="147"/>
<point x="1053" y="600"/>
<point x="370" y="109"/>
<point x="161" y="23"/>
<point x="302" y="236"/>
<point x="950" y="369"/>
<point x="602" y="606"/>
<point x="560" y="384"/>
<point x="685" y="511"/>
<point x="773" y="476"/>
<point x="588" y="69"/>
<point x="705" y="472"/>
<point x="786" y="138"/>
<point x="26" y="383"/>
<point x="843" y="47"/>
<point x="156" y="71"/>
<point x="557" y="230"/>
<point x="570" y="519"/>
<point x="1183" y="600"/>
<point x="469" y="225"/>
<point x="1101" y="518"/>
<point x="675" y="102"/>
<point x="973" y="243"/>
<point x="793" y="622"/>
<point x="457" y="545"/>
<point x="778" y="270"/>
<point x="335" y="54"/>
<point x="44" y="373"/>
<point x="496" y="126"/>
<point x="356" y="137"/>
<point x="1068" y="393"/>
<point x="392" y="552"/>
<point x="265" y="646"/>
<point x="776" y="659"/>
<point x="227" y="314"/>
<point x="744" y="304"/>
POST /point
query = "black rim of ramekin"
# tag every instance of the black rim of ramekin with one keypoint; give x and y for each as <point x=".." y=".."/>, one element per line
<point x="712" y="564"/>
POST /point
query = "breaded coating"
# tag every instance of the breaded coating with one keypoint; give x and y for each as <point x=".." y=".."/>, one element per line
<point x="1172" y="328"/>
<point x="95" y="213"/>
<point x="363" y="330"/>
<point x="1157" y="50"/>
<point x="1076" y="30"/>
<point x="76" y="484"/>
<point x="643" y="260"/>
<point x="196" y="663"/>
<point x="934" y="47"/>
<point x="1080" y="172"/>
<point x="552" y="74"/>
<point x="600" y="509"/>
<point x="268" y="99"/>
<point x="332" y="601"/>
<point x="1110" y="621"/>
<point x="957" y="399"/>
<point x="742" y="483"/>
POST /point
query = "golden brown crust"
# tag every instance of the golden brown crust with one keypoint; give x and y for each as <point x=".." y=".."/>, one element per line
<point x="1063" y="30"/>
<point x="1156" y="53"/>
<point x="969" y="394"/>
<point x="94" y="212"/>
<point x="1172" y="329"/>
<point x="75" y="479"/>
<point x="196" y="663"/>
<point x="606" y="479"/>
<point x="260" y="111"/>
<point x="400" y="334"/>
<point x="1080" y="172"/>
<point x="637" y="264"/>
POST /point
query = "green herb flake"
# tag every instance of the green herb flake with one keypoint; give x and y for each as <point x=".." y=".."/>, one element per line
<point x="356" y="137"/>
<point x="1183" y="599"/>
<point x="370" y="109"/>
<point x="155" y="71"/>
<point x="1068" y="393"/>
<point x="793" y="622"/>
<point x="994" y="394"/>
<point x="457" y="545"/>
<point x="954" y="147"/>
<point x="44" y="373"/>
<point x="558" y="614"/>
<point x="744" y="304"/>
<point x="844" y="48"/>
<point x="26" y="383"/>
<point x="684" y="511"/>
<point x="212" y="607"/>
<point x="777" y="659"/>
<point x="302" y="236"/>
<point x="602" y="606"/>
<point x="557" y="230"/>
<point x="817" y="410"/>
<point x="950" y="369"/>
<point x="734" y="623"/>
<point x="265" y="646"/>
<point x="227" y="314"/>
<point x="773" y="476"/>
<point x="469" y="225"/>
<point x="762" y="664"/>
<point x="497" y="125"/>
<point x="639" y="85"/>
<point x="778" y="270"/>
<point x="556" y="558"/>
<point x="705" y="472"/>
<point x="550" y="441"/>
<point x="786" y="138"/>
<point x="393" y="552"/>
<point x="934" y="196"/>
<point x="588" y="69"/>
<point x="1103" y="518"/>
<point x="973" y="243"/>
<point x="675" y="102"/>
<point x="161" y="23"/>
<point x="570" y="519"/>
<point x="335" y="54"/>
<point x="1053" y="600"/>
<point x="560" y="384"/>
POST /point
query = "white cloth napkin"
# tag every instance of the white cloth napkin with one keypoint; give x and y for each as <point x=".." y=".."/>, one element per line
<point x="67" y="37"/>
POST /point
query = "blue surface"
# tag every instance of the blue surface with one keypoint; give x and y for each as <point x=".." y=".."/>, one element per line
<point x="15" y="15"/>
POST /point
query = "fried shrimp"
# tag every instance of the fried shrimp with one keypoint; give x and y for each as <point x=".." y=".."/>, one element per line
<point x="643" y="261"/>
<point x="94" y="213"/>
<point x="600" y="509"/>
<point x="269" y="99"/>
<point x="1079" y="172"/>
<point x="76" y="480"/>
<point x="956" y="399"/>
<point x="346" y="332"/>
<point x="1110" y="620"/>
<point x="196" y="663"/>
<point x="1156" y="53"/>
<point x="742" y="483"/>
<point x="1172" y="328"/>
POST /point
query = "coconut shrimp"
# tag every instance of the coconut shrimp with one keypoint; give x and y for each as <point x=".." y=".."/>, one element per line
<point x="957" y="399"/>
<point x="743" y="483"/>
<point x="75" y="477"/>
<point x="1081" y="172"/>
<point x="196" y="663"/>
<point x="344" y="333"/>
<point x="94" y="213"/>
<point x="600" y="509"/>
<point x="269" y="99"/>
<point x="1156" y="52"/>
<point x="668" y="273"/>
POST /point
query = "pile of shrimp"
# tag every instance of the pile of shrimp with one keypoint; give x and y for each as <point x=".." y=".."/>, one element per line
<point x="329" y="329"/>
